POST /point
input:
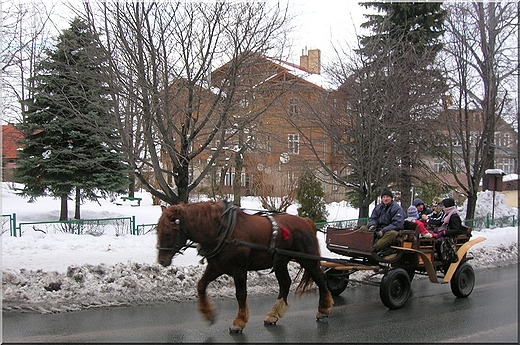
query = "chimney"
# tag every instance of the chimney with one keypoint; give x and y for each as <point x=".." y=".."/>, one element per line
<point x="311" y="62"/>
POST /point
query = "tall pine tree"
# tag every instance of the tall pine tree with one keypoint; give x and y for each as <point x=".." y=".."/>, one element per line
<point x="66" y="124"/>
<point x="400" y="55"/>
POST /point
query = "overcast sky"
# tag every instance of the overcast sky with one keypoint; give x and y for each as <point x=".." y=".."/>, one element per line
<point x="321" y="24"/>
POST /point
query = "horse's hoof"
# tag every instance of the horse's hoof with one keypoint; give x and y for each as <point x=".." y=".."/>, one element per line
<point x="235" y="329"/>
<point x="270" y="320"/>
<point x="321" y="316"/>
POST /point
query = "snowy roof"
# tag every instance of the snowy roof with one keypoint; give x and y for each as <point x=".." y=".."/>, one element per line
<point x="317" y="79"/>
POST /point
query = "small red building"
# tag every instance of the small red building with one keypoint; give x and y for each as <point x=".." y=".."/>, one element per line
<point x="10" y="147"/>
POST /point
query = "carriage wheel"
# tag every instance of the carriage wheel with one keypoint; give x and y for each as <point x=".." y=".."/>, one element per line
<point x="395" y="288"/>
<point x="463" y="280"/>
<point x="337" y="281"/>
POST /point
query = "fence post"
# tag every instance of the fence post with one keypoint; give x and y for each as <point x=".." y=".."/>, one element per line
<point x="513" y="220"/>
<point x="132" y="226"/>
<point x="13" y="225"/>
<point x="488" y="225"/>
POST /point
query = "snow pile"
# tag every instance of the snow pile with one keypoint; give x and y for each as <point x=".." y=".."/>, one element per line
<point x="49" y="273"/>
<point x="484" y="206"/>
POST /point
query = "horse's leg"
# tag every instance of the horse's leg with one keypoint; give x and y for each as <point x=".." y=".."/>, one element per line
<point x="325" y="302"/>
<point x="204" y="304"/>
<point x="284" y="282"/>
<point x="242" y="318"/>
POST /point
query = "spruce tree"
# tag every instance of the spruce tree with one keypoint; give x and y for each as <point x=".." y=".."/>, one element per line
<point x="67" y="124"/>
<point x="399" y="57"/>
<point x="310" y="196"/>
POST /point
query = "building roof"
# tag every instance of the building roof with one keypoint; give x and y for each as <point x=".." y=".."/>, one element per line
<point x="316" y="79"/>
<point x="10" y="136"/>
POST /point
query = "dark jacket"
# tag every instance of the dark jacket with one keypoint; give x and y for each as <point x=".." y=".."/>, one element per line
<point x="387" y="218"/>
<point x="454" y="226"/>
<point x="425" y="210"/>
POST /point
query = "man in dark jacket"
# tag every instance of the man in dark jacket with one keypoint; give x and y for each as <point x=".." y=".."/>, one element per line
<point x="421" y="207"/>
<point x="386" y="220"/>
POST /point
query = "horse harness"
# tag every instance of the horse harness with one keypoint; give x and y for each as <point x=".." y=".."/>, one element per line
<point x="229" y="216"/>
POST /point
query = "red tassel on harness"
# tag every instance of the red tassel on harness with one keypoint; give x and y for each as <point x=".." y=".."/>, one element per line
<point x="285" y="234"/>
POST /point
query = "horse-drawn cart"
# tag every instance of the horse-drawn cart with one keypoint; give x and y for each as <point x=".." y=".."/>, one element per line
<point x="412" y="255"/>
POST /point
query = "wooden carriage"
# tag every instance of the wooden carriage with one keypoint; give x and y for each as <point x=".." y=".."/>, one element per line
<point x="413" y="255"/>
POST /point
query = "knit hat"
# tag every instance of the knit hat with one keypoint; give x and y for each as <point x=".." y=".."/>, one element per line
<point x="387" y="192"/>
<point x="417" y="202"/>
<point x="412" y="212"/>
<point x="448" y="202"/>
<point x="436" y="201"/>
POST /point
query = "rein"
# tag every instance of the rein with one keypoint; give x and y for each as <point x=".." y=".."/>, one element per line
<point x="291" y="253"/>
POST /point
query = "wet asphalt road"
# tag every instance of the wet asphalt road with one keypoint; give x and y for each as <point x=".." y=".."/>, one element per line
<point x="432" y="314"/>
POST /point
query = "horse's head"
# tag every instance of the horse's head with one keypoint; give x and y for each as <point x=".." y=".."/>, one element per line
<point x="170" y="237"/>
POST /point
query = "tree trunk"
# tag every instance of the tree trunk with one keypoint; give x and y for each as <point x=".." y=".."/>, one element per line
<point x="239" y="162"/>
<point x="64" y="208"/>
<point x="131" y="186"/>
<point x="77" y="204"/>
<point x="471" y="206"/>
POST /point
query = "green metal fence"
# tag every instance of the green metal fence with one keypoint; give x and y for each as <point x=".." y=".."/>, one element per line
<point x="341" y="224"/>
<point x="476" y="224"/>
<point x="95" y="227"/>
<point x="9" y="224"/>
<point x="489" y="223"/>
<point x="143" y="229"/>
<point x="126" y="225"/>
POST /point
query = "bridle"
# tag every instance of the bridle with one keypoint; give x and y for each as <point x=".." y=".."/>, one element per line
<point x="229" y="213"/>
<point x="176" y="247"/>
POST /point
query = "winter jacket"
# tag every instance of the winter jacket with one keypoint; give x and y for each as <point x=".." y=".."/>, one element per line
<point x="387" y="218"/>
<point x="454" y="226"/>
<point x="425" y="210"/>
<point x="435" y="220"/>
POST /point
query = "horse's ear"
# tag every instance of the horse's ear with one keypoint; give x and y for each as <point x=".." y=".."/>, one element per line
<point x="163" y="208"/>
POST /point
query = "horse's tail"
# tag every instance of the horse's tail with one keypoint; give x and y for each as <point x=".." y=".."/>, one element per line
<point x="305" y="282"/>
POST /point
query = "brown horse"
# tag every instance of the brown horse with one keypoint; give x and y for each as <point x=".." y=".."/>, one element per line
<point x="234" y="242"/>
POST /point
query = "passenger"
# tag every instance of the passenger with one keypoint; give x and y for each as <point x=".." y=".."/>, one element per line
<point x="421" y="207"/>
<point x="451" y="222"/>
<point x="386" y="220"/>
<point x="451" y="226"/>
<point x="434" y="219"/>
<point x="413" y="217"/>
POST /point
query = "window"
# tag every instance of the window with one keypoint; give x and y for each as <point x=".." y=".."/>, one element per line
<point x="264" y="144"/>
<point x="506" y="164"/>
<point x="502" y="139"/>
<point x="293" y="107"/>
<point x="439" y="165"/>
<point x="293" y="143"/>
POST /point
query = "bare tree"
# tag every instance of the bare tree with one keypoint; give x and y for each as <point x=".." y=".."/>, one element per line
<point x="26" y="32"/>
<point x="172" y="109"/>
<point x="481" y="59"/>
<point x="376" y="119"/>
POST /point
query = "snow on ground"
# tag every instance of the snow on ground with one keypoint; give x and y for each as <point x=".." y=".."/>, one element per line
<point x="50" y="273"/>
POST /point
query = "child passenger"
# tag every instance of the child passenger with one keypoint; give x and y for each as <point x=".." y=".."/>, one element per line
<point x="413" y="216"/>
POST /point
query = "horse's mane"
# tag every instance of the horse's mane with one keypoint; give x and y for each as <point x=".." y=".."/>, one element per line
<point x="199" y="215"/>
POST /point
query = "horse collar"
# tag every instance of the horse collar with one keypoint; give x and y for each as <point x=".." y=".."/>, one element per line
<point x="229" y="214"/>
